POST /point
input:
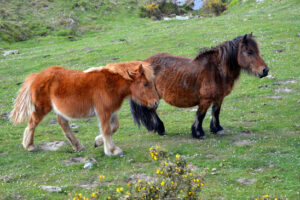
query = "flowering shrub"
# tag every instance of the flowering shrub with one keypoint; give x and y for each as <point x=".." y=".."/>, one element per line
<point x="150" y="10"/>
<point x="214" y="7"/>
<point x="174" y="180"/>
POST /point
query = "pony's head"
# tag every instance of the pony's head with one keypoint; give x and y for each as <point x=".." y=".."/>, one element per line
<point x="141" y="81"/>
<point x="248" y="57"/>
<point x="142" y="88"/>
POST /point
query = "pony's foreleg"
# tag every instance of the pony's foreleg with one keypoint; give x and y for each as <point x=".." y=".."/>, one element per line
<point x="114" y="123"/>
<point x="64" y="124"/>
<point x="28" y="142"/>
<point x="107" y="131"/>
<point x="215" y="126"/>
<point x="197" y="130"/>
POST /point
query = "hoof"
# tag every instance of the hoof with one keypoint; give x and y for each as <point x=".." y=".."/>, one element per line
<point x="202" y="137"/>
<point x="98" y="141"/>
<point x="221" y="132"/>
<point x="31" y="148"/>
<point x="79" y="149"/>
<point x="115" y="151"/>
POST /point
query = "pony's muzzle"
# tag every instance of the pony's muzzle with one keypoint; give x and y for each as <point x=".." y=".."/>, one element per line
<point x="264" y="72"/>
<point x="154" y="105"/>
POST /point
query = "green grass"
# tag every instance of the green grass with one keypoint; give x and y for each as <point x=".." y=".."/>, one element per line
<point x="273" y="157"/>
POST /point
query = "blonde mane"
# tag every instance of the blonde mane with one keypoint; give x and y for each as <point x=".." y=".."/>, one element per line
<point x="125" y="69"/>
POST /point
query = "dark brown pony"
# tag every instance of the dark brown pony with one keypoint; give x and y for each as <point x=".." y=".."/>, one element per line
<point x="75" y="94"/>
<point x="203" y="80"/>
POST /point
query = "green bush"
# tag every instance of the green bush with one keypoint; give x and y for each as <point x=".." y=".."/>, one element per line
<point x="233" y="3"/>
<point x="214" y="7"/>
<point x="65" y="32"/>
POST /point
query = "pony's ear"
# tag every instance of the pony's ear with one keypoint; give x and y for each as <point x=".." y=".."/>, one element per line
<point x="141" y="69"/>
<point x="251" y="34"/>
<point x="245" y="39"/>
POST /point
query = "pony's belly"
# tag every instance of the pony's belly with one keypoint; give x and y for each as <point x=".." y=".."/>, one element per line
<point x="73" y="112"/>
<point x="182" y="101"/>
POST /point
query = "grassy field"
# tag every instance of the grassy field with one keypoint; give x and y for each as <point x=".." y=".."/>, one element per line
<point x="261" y="116"/>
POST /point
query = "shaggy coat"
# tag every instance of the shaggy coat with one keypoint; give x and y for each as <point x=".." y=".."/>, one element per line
<point x="74" y="94"/>
<point x="203" y="80"/>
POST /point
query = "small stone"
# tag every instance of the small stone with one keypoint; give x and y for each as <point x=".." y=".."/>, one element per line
<point x="275" y="97"/>
<point x="49" y="188"/>
<point x="214" y="169"/>
<point x="284" y="90"/>
<point x="53" y="121"/>
<point x="7" y="53"/>
<point x="242" y="143"/>
<point x="88" y="165"/>
<point x="87" y="49"/>
<point x="221" y="165"/>
<point x="278" y="50"/>
<point x="263" y="86"/>
<point x="75" y="126"/>
<point x="245" y="181"/>
<point x="115" y="58"/>
<point x="5" y="115"/>
<point x="298" y="34"/>
<point x="270" y="76"/>
<point x="122" y="40"/>
<point x="5" y="178"/>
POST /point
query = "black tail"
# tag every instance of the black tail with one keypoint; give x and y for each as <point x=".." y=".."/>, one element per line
<point x="147" y="117"/>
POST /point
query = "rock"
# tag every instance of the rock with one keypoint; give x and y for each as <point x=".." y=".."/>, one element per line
<point x="263" y="86"/>
<point x="242" y="143"/>
<point x="89" y="185"/>
<point x="115" y="58"/>
<point x="214" y="169"/>
<point x="53" y="121"/>
<point x="75" y="126"/>
<point x="5" y="179"/>
<point x="7" y="53"/>
<point x="270" y="76"/>
<point x="5" y="115"/>
<point x="275" y="97"/>
<point x="52" y="146"/>
<point x="79" y="160"/>
<point x="285" y="82"/>
<point x="49" y="188"/>
<point x="88" y="165"/>
<point x="298" y="34"/>
<point x="182" y="17"/>
<point x="142" y="177"/>
<point x="87" y="49"/>
<point x="284" y="90"/>
<point x="122" y="40"/>
<point x="278" y="50"/>
<point x="245" y="181"/>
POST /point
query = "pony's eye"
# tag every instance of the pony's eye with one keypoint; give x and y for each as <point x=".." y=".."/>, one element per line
<point x="250" y="52"/>
<point x="146" y="84"/>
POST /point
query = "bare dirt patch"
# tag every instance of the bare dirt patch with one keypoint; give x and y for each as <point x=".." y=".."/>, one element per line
<point x="52" y="146"/>
<point x="78" y="160"/>
<point x="141" y="177"/>
<point x="243" y="143"/>
<point x="245" y="181"/>
<point x="285" y="82"/>
<point x="283" y="90"/>
<point x="49" y="188"/>
<point x="5" y="115"/>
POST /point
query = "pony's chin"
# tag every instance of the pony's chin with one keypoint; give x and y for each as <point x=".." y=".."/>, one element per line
<point x="142" y="104"/>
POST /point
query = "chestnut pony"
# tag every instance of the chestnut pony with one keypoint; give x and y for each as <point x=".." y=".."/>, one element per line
<point x="203" y="80"/>
<point x="75" y="94"/>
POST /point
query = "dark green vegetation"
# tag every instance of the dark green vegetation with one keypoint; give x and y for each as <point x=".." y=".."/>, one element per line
<point x="265" y="119"/>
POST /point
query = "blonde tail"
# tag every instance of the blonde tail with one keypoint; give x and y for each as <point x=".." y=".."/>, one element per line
<point x="23" y="105"/>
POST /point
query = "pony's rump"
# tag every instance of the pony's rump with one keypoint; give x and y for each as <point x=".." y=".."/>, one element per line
<point x="23" y="105"/>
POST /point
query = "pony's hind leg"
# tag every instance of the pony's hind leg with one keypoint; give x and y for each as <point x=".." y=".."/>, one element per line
<point x="64" y="124"/>
<point x="215" y="126"/>
<point x="28" y="142"/>
<point x="197" y="130"/>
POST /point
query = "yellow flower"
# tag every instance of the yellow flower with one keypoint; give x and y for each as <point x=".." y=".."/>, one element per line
<point x="181" y="190"/>
<point x="79" y="195"/>
<point x="157" y="171"/>
<point x="166" y="163"/>
<point x="155" y="158"/>
<point x="177" y="156"/>
<point x="108" y="198"/>
<point x="162" y="183"/>
<point x="202" y="184"/>
<point x="94" y="195"/>
<point x="128" y="193"/>
<point x="139" y="181"/>
<point x="157" y="188"/>
<point x="151" y="187"/>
